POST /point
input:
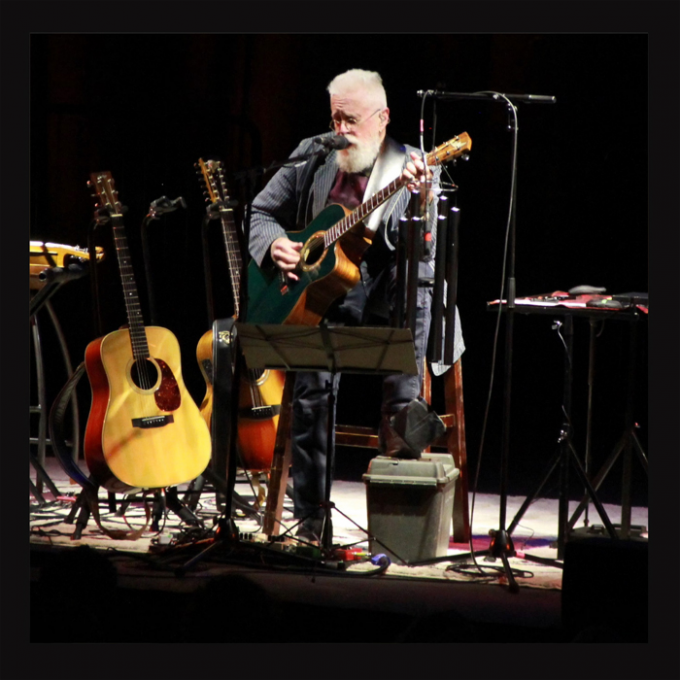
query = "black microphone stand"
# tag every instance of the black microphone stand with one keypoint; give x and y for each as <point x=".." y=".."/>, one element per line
<point x="501" y="545"/>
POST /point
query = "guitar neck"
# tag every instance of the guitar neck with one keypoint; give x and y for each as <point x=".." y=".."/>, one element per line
<point x="361" y="212"/>
<point x="447" y="151"/>
<point x="140" y="346"/>
<point x="233" y="248"/>
<point x="217" y="193"/>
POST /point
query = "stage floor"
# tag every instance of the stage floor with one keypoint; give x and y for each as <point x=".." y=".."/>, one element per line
<point x="169" y="562"/>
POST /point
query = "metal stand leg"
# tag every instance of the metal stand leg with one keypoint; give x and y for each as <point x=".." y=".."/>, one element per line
<point x="626" y="443"/>
<point x="41" y="410"/>
<point x="562" y="456"/>
<point x="327" y="533"/>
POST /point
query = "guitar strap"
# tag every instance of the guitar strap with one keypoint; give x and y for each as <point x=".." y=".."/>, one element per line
<point x="388" y="167"/>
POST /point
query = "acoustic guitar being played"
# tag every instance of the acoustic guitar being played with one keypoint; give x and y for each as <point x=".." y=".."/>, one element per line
<point x="333" y="246"/>
<point x="144" y="430"/>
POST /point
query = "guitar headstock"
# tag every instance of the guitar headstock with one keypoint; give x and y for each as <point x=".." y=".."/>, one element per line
<point x="457" y="146"/>
<point x="213" y="178"/>
<point x="104" y="192"/>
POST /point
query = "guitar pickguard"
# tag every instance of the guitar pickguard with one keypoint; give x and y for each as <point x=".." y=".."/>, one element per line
<point x="168" y="397"/>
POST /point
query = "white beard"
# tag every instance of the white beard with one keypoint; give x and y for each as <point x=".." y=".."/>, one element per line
<point x="360" y="156"/>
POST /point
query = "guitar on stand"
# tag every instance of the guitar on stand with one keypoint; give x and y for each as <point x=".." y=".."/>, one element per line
<point x="260" y="391"/>
<point x="144" y="430"/>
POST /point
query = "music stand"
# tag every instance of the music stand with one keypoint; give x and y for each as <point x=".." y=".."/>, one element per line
<point x="346" y="349"/>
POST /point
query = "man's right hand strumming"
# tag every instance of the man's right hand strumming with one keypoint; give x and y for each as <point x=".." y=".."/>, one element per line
<point x="286" y="255"/>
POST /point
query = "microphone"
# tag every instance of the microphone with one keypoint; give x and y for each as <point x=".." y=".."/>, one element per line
<point x="337" y="142"/>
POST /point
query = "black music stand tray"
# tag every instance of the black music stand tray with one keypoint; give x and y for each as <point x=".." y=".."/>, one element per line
<point x="371" y="350"/>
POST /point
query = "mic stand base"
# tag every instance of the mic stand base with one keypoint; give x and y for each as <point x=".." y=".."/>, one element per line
<point x="226" y="532"/>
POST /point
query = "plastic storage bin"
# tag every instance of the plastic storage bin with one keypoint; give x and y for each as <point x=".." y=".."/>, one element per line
<point x="410" y="505"/>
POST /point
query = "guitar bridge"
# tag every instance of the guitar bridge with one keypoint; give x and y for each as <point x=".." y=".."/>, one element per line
<point x="261" y="412"/>
<point x="152" y="421"/>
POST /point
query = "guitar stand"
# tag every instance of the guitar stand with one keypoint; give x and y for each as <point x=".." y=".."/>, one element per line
<point x="161" y="503"/>
<point x="220" y="487"/>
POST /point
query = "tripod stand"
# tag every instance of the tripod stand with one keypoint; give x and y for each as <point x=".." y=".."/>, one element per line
<point x="565" y="453"/>
<point x="626" y="443"/>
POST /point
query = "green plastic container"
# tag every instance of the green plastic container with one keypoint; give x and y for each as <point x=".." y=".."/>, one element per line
<point x="410" y="506"/>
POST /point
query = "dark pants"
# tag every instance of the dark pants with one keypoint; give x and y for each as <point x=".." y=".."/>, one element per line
<point x="365" y="306"/>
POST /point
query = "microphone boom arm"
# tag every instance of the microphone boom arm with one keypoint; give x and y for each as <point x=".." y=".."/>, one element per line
<point x="526" y="98"/>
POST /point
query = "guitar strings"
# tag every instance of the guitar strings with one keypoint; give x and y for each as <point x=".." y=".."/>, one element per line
<point x="137" y="332"/>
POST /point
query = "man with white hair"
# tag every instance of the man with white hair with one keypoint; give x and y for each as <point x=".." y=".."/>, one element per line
<point x="294" y="196"/>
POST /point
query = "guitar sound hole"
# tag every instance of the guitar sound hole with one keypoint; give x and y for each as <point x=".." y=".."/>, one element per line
<point x="313" y="251"/>
<point x="254" y="374"/>
<point x="144" y="374"/>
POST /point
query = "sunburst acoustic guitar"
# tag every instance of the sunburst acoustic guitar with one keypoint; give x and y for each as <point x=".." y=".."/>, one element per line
<point x="144" y="430"/>
<point x="259" y="391"/>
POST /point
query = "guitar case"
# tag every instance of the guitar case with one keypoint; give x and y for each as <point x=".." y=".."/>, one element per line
<point x="224" y="424"/>
<point x="224" y="403"/>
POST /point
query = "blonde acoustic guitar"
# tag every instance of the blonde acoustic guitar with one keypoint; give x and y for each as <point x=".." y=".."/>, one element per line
<point x="144" y="429"/>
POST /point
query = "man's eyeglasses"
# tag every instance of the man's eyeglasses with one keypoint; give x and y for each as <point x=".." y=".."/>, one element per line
<point x="350" y="122"/>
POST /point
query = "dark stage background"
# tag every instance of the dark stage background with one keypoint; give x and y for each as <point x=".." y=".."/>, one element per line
<point x="146" y="107"/>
